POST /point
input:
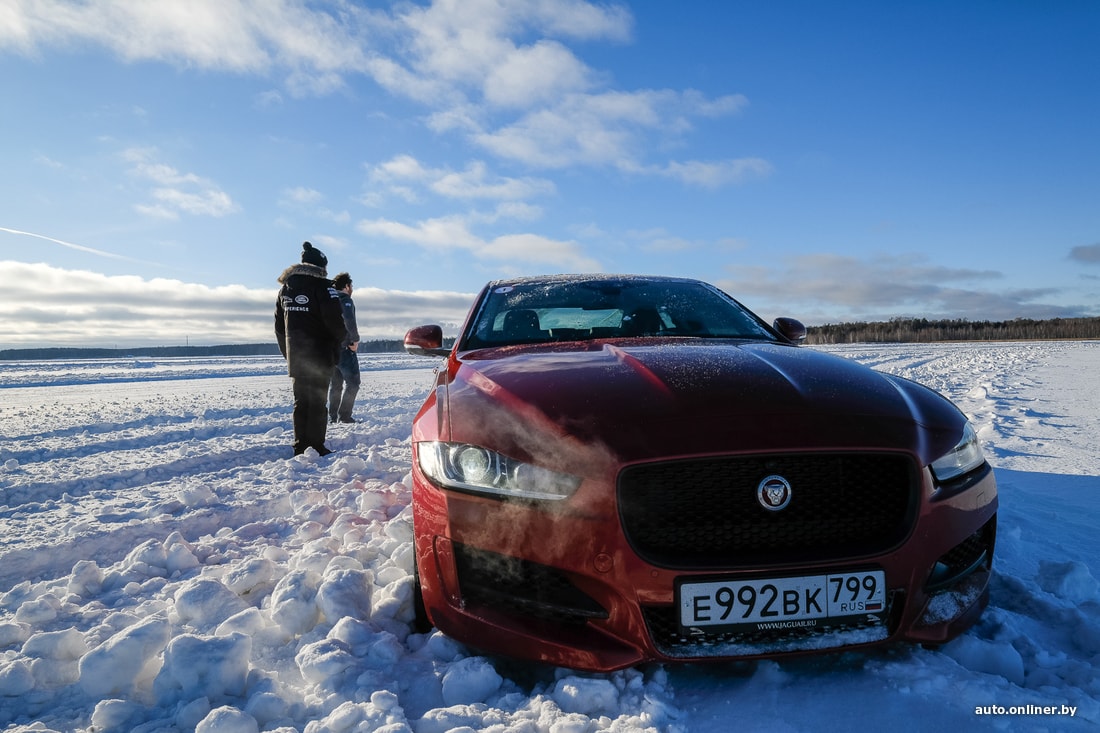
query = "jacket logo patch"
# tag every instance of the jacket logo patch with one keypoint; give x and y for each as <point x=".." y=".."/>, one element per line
<point x="301" y="299"/>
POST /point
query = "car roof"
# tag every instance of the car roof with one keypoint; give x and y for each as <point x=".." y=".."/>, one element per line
<point x="566" y="278"/>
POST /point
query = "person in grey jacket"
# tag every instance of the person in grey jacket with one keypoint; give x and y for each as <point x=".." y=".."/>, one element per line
<point x="345" y="377"/>
<point x="310" y="329"/>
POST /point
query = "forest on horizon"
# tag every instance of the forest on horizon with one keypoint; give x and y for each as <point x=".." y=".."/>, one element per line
<point x="924" y="330"/>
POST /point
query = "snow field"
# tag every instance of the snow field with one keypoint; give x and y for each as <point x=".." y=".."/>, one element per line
<point x="166" y="565"/>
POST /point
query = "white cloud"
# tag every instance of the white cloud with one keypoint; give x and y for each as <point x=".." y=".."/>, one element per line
<point x="229" y="35"/>
<point x="610" y="128"/>
<point x="302" y="195"/>
<point x="515" y="210"/>
<point x="204" y="203"/>
<point x="127" y="311"/>
<point x="499" y="72"/>
<point x="715" y="174"/>
<point x="536" y="74"/>
<point x="47" y="161"/>
<point x="176" y="192"/>
<point x="326" y="243"/>
<point x="583" y="20"/>
<point x="475" y="182"/>
<point x="697" y="103"/>
<point x="828" y="287"/>
<point x="453" y="233"/>
<point x="402" y="168"/>
<point x="536" y="249"/>
<point x="269" y="98"/>
<point x="557" y="138"/>
<point x="659" y="240"/>
<point x="463" y="42"/>
<point x="443" y="233"/>
<point x="1087" y="253"/>
<point x="308" y="200"/>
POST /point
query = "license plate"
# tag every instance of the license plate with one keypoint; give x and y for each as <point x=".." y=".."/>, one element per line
<point x="782" y="603"/>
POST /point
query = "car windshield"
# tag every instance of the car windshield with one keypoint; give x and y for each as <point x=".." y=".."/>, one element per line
<point x="538" y="311"/>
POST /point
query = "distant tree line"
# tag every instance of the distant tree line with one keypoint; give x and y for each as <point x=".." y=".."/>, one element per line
<point x="897" y="330"/>
<point x="919" y="330"/>
<point x="165" y="352"/>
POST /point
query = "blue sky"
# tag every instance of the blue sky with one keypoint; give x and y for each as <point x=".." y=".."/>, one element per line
<point x="163" y="162"/>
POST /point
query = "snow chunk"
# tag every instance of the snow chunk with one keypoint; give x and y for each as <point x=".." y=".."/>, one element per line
<point x="56" y="654"/>
<point x="147" y="560"/>
<point x="191" y="714"/>
<point x="586" y="695"/>
<point x="126" y="658"/>
<point x="197" y="496"/>
<point x="381" y="715"/>
<point x="470" y="680"/>
<point x="196" y="666"/>
<point x="350" y="465"/>
<point x="116" y="715"/>
<point x="15" y="678"/>
<point x="14" y="632"/>
<point x="996" y="658"/>
<point x="1070" y="581"/>
<point x="179" y="556"/>
<point x="346" y="592"/>
<point x="293" y="602"/>
<point x="266" y="707"/>
<point x="377" y="649"/>
<point x="205" y="603"/>
<point x="324" y="659"/>
<point x="227" y="720"/>
<point x="253" y="574"/>
<point x="443" y="647"/>
<point x="38" y="611"/>
<point x="249" y="622"/>
<point x="86" y="579"/>
<point x="464" y="718"/>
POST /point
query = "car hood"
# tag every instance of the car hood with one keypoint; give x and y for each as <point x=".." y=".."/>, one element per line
<point x="664" y="398"/>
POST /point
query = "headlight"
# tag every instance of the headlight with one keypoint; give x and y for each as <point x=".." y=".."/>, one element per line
<point x="473" y="468"/>
<point x="963" y="458"/>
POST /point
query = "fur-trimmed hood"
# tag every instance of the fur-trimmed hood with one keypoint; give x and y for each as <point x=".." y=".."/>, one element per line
<point x="303" y="269"/>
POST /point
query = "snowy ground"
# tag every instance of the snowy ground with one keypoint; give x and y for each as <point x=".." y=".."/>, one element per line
<point x="165" y="565"/>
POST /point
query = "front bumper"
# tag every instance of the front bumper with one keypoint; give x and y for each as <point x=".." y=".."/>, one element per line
<point x="565" y="584"/>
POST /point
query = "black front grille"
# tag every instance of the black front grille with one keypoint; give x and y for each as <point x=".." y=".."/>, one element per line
<point x="705" y="513"/>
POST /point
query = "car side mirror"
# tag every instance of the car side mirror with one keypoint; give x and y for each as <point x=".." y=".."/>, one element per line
<point x="425" y="341"/>
<point x="790" y="329"/>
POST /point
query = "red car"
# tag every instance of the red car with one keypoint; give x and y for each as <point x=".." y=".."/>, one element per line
<point x="612" y="470"/>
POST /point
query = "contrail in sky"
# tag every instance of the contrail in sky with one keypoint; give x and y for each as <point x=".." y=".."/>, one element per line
<point x="70" y="245"/>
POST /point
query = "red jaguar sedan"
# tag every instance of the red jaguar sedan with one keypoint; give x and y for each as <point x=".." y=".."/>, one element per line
<point x="611" y="470"/>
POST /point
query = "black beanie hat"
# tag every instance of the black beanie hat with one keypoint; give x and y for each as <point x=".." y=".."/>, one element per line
<point x="313" y="256"/>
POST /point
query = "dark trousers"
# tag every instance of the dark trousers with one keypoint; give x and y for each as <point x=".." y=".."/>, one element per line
<point x="310" y="413"/>
<point x="344" y="386"/>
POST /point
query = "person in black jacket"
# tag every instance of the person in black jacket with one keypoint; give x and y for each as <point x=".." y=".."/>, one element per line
<point x="309" y="325"/>
<point x="345" y="378"/>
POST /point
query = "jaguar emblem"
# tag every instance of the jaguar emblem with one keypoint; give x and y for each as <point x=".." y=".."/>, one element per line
<point x="774" y="493"/>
